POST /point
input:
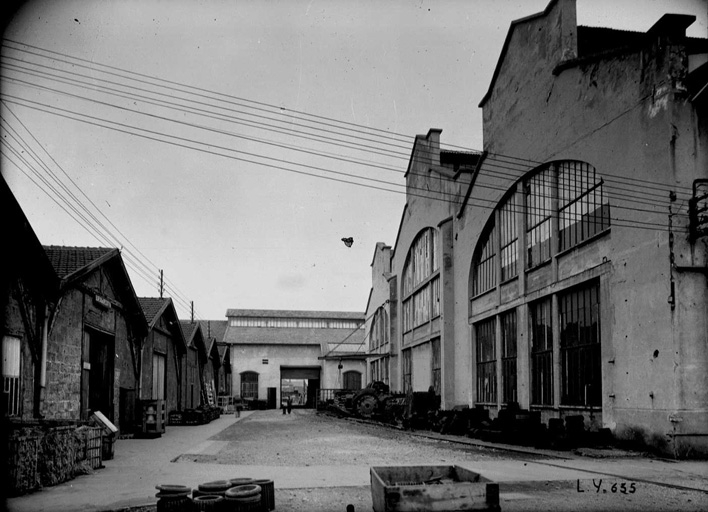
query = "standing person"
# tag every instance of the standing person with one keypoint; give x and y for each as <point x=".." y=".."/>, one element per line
<point x="290" y="404"/>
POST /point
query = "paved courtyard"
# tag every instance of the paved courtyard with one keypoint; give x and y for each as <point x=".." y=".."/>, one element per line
<point x="321" y="463"/>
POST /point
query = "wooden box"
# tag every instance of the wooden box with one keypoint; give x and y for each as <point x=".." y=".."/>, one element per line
<point x="431" y="489"/>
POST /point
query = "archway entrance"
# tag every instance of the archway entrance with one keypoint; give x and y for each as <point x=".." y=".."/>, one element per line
<point x="301" y="383"/>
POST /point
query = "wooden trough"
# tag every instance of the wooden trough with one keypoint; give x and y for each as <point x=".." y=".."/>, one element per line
<point x="431" y="489"/>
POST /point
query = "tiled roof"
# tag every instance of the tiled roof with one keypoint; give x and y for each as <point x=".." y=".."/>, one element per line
<point x="289" y="336"/>
<point x="67" y="260"/>
<point x="152" y="306"/>
<point x="289" y="313"/>
<point x="188" y="329"/>
<point x="214" y="328"/>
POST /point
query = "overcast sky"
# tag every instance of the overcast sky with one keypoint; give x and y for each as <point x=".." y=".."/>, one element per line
<point x="223" y="84"/>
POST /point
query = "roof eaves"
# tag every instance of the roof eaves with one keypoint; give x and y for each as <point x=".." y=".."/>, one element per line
<point x="78" y="274"/>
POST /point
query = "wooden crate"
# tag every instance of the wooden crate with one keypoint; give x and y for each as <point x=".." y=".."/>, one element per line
<point x="94" y="447"/>
<point x="431" y="489"/>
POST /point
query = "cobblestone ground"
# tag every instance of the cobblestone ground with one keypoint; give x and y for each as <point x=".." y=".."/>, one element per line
<point x="306" y="438"/>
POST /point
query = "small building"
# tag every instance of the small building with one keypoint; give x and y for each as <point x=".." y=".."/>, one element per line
<point x="281" y="353"/>
<point x="93" y="337"/>
<point x="29" y="290"/>
<point x="194" y="364"/>
<point x="163" y="355"/>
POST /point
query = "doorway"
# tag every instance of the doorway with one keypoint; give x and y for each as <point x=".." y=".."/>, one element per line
<point x="97" y="374"/>
<point x="301" y="384"/>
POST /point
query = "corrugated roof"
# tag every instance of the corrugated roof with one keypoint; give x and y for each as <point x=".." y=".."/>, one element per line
<point x="66" y="260"/>
<point x="290" y="336"/>
<point x="152" y="306"/>
<point x="289" y="313"/>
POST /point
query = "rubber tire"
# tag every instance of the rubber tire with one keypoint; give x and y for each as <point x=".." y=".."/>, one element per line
<point x="207" y="502"/>
<point x="243" y="491"/>
<point x="215" y="486"/>
<point x="366" y="405"/>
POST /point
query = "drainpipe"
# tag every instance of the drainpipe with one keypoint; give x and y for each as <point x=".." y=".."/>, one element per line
<point x="43" y="360"/>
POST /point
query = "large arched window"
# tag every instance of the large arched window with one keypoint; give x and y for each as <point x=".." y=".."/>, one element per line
<point x="378" y="336"/>
<point x="421" y="281"/>
<point x="569" y="191"/>
<point x="249" y="385"/>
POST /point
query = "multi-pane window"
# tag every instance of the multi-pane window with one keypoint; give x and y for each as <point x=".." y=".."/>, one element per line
<point x="435" y="377"/>
<point x="297" y="323"/>
<point x="508" y="238"/>
<point x="249" y="385"/>
<point x="158" y="376"/>
<point x="378" y="337"/>
<point x="579" y="313"/>
<point x="541" y="352"/>
<point x="436" y="297"/>
<point x="508" y="356"/>
<point x="486" y="361"/>
<point x="379" y="370"/>
<point x="583" y="211"/>
<point x="419" y="273"/>
<point x="407" y="370"/>
<point x="484" y="266"/>
<point x="569" y="191"/>
<point x="539" y="209"/>
<point x="11" y="374"/>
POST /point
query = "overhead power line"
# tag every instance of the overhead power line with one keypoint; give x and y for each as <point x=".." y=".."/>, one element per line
<point x="247" y="103"/>
<point x="184" y="142"/>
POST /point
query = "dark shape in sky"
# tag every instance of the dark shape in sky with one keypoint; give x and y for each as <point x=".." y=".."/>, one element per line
<point x="348" y="241"/>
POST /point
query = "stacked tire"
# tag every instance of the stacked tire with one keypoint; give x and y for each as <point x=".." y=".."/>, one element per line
<point x="243" y="498"/>
<point x="173" y="498"/>
<point x="208" y="502"/>
<point x="267" y="494"/>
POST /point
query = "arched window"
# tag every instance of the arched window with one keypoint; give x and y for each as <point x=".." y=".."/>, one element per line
<point x="569" y="191"/>
<point x="249" y="385"/>
<point x="351" y="380"/>
<point x="378" y="336"/>
<point x="421" y="281"/>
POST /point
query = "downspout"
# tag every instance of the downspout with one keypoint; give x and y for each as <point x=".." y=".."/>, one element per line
<point x="43" y="361"/>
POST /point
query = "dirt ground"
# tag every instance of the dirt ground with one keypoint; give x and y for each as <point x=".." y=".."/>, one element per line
<point x="307" y="438"/>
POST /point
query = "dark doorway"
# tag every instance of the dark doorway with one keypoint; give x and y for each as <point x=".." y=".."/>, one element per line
<point x="97" y="386"/>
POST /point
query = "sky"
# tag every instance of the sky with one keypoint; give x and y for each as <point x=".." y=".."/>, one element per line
<point x="232" y="145"/>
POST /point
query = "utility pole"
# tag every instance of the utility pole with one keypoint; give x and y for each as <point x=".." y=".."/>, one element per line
<point x="162" y="283"/>
<point x="192" y="302"/>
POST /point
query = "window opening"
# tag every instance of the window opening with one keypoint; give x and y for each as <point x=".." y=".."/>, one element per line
<point x="407" y="371"/>
<point x="581" y="380"/>
<point x="249" y="385"/>
<point x="486" y="361"/>
<point x="541" y="353"/>
<point x="539" y="206"/>
<point x="11" y="374"/>
<point x="435" y="366"/>
<point x="508" y="345"/>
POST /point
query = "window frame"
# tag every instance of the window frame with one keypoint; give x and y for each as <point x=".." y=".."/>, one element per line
<point x="486" y="361"/>
<point x="420" y="271"/>
<point x="541" y="352"/>
<point x="509" y="348"/>
<point x="407" y="370"/>
<point x="12" y="374"/>
<point x="580" y="355"/>
<point x="247" y="389"/>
